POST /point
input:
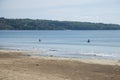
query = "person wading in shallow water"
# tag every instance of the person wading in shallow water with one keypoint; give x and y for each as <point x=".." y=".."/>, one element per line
<point x="39" y="40"/>
<point x="88" y="41"/>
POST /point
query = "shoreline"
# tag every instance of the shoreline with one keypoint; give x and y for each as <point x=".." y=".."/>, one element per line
<point x="27" y="53"/>
<point x="75" y="53"/>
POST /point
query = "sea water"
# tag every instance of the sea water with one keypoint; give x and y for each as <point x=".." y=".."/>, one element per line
<point x="64" y="43"/>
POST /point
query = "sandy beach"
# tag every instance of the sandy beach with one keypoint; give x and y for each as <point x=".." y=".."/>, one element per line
<point x="17" y="65"/>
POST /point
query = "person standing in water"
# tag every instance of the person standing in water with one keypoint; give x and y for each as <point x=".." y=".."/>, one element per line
<point x="88" y="41"/>
<point x="39" y="40"/>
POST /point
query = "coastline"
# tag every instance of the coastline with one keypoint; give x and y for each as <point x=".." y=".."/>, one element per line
<point x="30" y="54"/>
<point x="19" y="65"/>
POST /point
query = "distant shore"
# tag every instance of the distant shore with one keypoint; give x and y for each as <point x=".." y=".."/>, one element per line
<point x="19" y="65"/>
<point x="25" y="24"/>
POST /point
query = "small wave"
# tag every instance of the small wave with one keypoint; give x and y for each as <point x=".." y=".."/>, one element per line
<point x="98" y="54"/>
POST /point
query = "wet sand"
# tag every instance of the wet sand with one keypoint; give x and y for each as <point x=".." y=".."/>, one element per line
<point x="17" y="65"/>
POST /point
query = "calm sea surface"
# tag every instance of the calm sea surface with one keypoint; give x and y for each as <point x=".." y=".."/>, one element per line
<point x="66" y="43"/>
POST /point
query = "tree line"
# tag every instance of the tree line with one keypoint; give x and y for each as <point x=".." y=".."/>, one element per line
<point x="38" y="24"/>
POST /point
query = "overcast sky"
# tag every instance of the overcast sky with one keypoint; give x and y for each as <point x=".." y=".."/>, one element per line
<point x="105" y="11"/>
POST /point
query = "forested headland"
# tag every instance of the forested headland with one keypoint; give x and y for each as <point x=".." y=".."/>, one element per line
<point x="39" y="24"/>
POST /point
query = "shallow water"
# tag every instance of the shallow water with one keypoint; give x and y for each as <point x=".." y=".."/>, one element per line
<point x="70" y="43"/>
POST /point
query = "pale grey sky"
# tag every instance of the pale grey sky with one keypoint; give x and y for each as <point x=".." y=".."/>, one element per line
<point x="105" y="11"/>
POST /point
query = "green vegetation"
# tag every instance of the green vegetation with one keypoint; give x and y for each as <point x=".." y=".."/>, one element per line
<point x="30" y="24"/>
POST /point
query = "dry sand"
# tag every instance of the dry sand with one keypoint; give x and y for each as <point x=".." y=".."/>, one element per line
<point x="14" y="65"/>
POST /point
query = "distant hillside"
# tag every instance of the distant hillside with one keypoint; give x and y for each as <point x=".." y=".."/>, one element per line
<point x="30" y="24"/>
